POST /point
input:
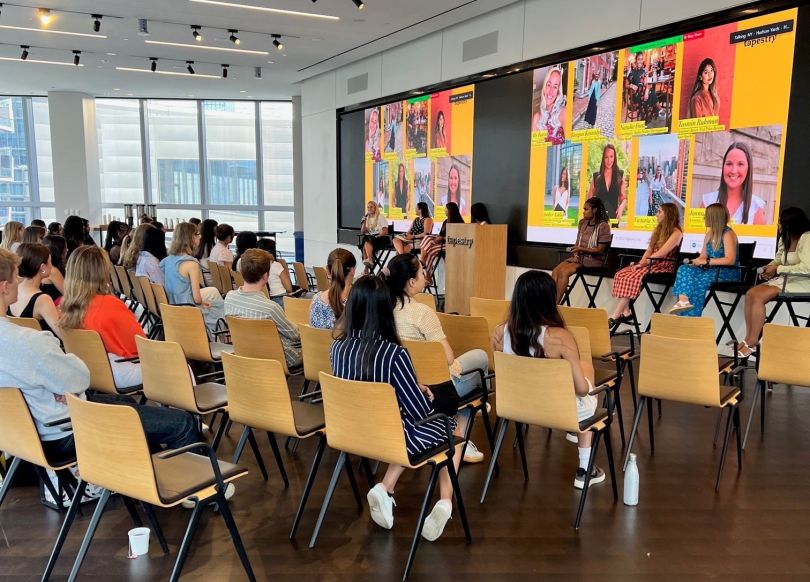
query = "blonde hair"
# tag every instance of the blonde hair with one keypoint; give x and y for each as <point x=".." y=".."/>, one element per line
<point x="87" y="274"/>
<point x="665" y="228"/>
<point x="183" y="239"/>
<point x="12" y="233"/>
<point x="8" y="265"/>
<point x="132" y="245"/>
<point x="717" y="218"/>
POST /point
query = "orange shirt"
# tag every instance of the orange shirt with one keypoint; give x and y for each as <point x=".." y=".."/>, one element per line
<point x="115" y="323"/>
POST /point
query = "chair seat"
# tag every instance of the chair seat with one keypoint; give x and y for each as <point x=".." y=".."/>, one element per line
<point x="597" y="270"/>
<point x="210" y="396"/>
<point x="600" y="415"/>
<point x="308" y="417"/>
<point x="603" y="374"/>
<point x="660" y="278"/>
<point x="130" y="389"/>
<point x="730" y="287"/>
<point x="729" y="395"/>
<point x="724" y="363"/>
<point x="217" y="348"/>
<point x="295" y="370"/>
<point x="188" y="474"/>
<point x="435" y="455"/>
<point x="793" y="297"/>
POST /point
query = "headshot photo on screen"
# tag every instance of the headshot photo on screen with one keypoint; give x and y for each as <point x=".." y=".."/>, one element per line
<point x="738" y="168"/>
<point x="440" y="120"/>
<point x="649" y="83"/>
<point x="422" y="186"/>
<point x="549" y="87"/>
<point x="392" y="132"/>
<point x="660" y="176"/>
<point x="381" y="186"/>
<point x="562" y="191"/>
<point x="416" y="125"/>
<point x="373" y="133"/>
<point x="595" y="93"/>
<point x="402" y="190"/>
<point x="453" y="182"/>
<point x="707" y="74"/>
<point x="606" y="177"/>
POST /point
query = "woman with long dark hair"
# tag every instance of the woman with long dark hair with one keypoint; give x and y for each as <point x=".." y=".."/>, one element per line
<point x="421" y="226"/>
<point x="792" y="256"/>
<point x="439" y="134"/>
<point x="561" y="197"/>
<point x="74" y="232"/>
<point x="368" y="349"/>
<point x="736" y="189"/>
<point x="208" y="238"/>
<point x="704" y="100"/>
<point x="479" y="214"/>
<point x="245" y="240"/>
<point x="608" y="184"/>
<point x="432" y="245"/>
<point x="535" y="329"/>
<point x="401" y="198"/>
<point x="116" y="231"/>
<point x="327" y="305"/>
<point x="54" y="284"/>
<point x="154" y="251"/>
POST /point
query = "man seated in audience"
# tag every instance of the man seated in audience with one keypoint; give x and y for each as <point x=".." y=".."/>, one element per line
<point x="249" y="302"/>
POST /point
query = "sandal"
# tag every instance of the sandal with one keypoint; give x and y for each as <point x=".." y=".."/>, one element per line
<point x="744" y="350"/>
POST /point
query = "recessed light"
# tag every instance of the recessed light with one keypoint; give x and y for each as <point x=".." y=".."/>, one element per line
<point x="271" y="62"/>
<point x="266" y="9"/>
<point x="124" y="39"/>
<point x="116" y="89"/>
<point x="112" y="54"/>
<point x="129" y="94"/>
<point x="243" y="91"/>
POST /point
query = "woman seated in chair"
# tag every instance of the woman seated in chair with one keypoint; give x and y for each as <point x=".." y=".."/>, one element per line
<point x="664" y="244"/>
<point x="374" y="231"/>
<point x="368" y="349"/>
<point x="593" y="237"/>
<point x="418" y="322"/>
<point x="88" y="304"/>
<point x="183" y="276"/>
<point x="535" y="329"/>
<point x="792" y="256"/>
<point x="153" y="251"/>
<point x="35" y="265"/>
<point x="432" y="245"/>
<point x="719" y="251"/>
<point x="221" y="253"/>
<point x="327" y="306"/>
<point x="421" y="226"/>
<point x="54" y="284"/>
<point x="279" y="283"/>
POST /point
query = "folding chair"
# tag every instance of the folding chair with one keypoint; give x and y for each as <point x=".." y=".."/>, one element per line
<point x="747" y="279"/>
<point x="582" y="272"/>
<point x="788" y="299"/>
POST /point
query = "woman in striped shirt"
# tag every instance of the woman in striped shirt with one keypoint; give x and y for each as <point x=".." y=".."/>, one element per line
<point x="368" y="349"/>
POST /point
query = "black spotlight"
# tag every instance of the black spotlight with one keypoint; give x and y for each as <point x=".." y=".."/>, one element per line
<point x="277" y="42"/>
<point x="225" y="71"/>
<point x="189" y="68"/>
<point x="195" y="31"/>
<point x="153" y="66"/>
<point x="96" y="22"/>
<point x="24" y="54"/>
<point x="77" y="56"/>
<point x="233" y="38"/>
<point x="359" y="4"/>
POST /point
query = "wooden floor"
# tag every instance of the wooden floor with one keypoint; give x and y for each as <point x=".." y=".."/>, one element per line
<point x="754" y="528"/>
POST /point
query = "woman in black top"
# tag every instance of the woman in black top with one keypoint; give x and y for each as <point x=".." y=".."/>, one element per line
<point x="35" y="265"/>
<point x="421" y="227"/>
<point x="401" y="199"/>
<point x="54" y="284"/>
<point x="608" y="184"/>
<point x="74" y="233"/>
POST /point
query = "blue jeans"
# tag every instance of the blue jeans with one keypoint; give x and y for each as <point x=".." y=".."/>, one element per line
<point x="470" y="380"/>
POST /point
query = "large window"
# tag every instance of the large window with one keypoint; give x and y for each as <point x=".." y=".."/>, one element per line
<point x="118" y="123"/>
<point x="230" y="140"/>
<point x="174" y="152"/>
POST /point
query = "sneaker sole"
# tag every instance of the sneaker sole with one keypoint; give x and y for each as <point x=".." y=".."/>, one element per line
<point x="571" y="438"/>
<point x="431" y="530"/>
<point x="377" y="515"/>
<point x="594" y="481"/>
<point x="473" y="460"/>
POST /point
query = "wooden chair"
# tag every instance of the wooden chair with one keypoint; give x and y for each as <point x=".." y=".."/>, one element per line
<point x="239" y="280"/>
<point x="684" y="370"/>
<point x="259" y="398"/>
<point x="783" y="359"/>
<point x="465" y="333"/>
<point x="425" y="299"/>
<point x="297" y="310"/>
<point x="371" y="427"/>
<point x="113" y="454"/>
<point x="495" y="311"/>
<point x="116" y="284"/>
<point x="693" y="328"/>
<point x="321" y="278"/>
<point x="225" y="278"/>
<point x="29" y="322"/>
<point x="86" y="344"/>
<point x="258" y="338"/>
<point x="19" y="439"/>
<point x="540" y="391"/>
<point x="151" y="306"/>
<point x="167" y="380"/>
<point x="316" y="347"/>
<point x="137" y="294"/>
<point x="216" y="277"/>
<point x="160" y="296"/>
<point x="126" y="286"/>
<point x="185" y="325"/>
<point x="301" y="275"/>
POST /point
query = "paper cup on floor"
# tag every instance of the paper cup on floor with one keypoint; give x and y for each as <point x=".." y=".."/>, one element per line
<point x="138" y="541"/>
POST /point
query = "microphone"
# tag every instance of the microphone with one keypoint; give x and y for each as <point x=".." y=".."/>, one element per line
<point x="362" y="220"/>
<point x="687" y="261"/>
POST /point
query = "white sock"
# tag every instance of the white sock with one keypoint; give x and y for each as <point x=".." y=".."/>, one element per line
<point x="584" y="457"/>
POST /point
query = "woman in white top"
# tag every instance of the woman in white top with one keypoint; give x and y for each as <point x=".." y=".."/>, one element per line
<point x="736" y="187"/>
<point x="536" y="329"/>
<point x="374" y="228"/>
<point x="12" y="235"/>
<point x="221" y="253"/>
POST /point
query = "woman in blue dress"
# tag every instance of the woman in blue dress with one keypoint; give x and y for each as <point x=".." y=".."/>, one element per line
<point x="718" y="261"/>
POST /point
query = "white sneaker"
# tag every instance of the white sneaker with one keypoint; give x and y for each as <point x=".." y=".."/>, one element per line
<point x="478" y="412"/>
<point x="472" y="454"/>
<point x="571" y="438"/>
<point x="381" y="506"/>
<point x="435" y="522"/>
<point x="230" y="489"/>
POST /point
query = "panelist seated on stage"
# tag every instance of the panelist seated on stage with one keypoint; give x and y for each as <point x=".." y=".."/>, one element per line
<point x="374" y="228"/>
<point x="421" y="227"/>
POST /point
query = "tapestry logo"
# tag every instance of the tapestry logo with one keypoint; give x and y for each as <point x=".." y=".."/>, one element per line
<point x="462" y="242"/>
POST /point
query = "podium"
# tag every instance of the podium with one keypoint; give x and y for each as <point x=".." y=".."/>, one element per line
<point x="475" y="264"/>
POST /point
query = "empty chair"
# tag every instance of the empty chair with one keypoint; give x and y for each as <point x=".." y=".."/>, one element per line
<point x="692" y="328"/>
<point x="495" y="311"/>
<point x="151" y="306"/>
<point x="86" y="344"/>
<point x="301" y="275"/>
<point x="297" y="310"/>
<point x="321" y="278"/>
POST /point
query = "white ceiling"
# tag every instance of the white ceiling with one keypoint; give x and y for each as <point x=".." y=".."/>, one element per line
<point x="313" y="45"/>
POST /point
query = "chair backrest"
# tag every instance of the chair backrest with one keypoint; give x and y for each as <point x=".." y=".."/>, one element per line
<point x="29" y="322"/>
<point x="465" y="333"/>
<point x="429" y="361"/>
<point x="370" y="426"/>
<point x="301" y="275"/>
<point x="425" y="299"/>
<point x="258" y="395"/>
<point x="216" y="277"/>
<point x="682" y="327"/>
<point x="495" y="311"/>
<point x="19" y="436"/>
<point x="185" y="325"/>
<point x="112" y="450"/>
<point x="745" y="256"/>
<point x="536" y="391"/>
<point x="321" y="278"/>
<point x="679" y="369"/>
<point x="148" y="294"/>
<point x="256" y="338"/>
<point x="116" y="284"/>
<point x="137" y="291"/>
<point x="316" y="347"/>
<point x="595" y="321"/>
<point x="166" y="376"/>
<point x="784" y="355"/>
<point x="297" y="310"/>
<point x="225" y="277"/>
<point x="86" y="344"/>
<point x="160" y="296"/>
<point x="123" y="279"/>
<point x="238" y="279"/>
<point x="583" y="339"/>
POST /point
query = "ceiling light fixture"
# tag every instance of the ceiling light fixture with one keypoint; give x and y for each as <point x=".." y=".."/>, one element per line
<point x="225" y="71"/>
<point x="190" y="68"/>
<point x="44" y="15"/>
<point x="175" y="73"/>
<point x="24" y="54"/>
<point x="38" y="61"/>
<point x="77" y="56"/>
<point x="195" y="32"/>
<point x="96" y="22"/>
<point x="29" y="29"/>
<point x="359" y="4"/>
<point x="277" y="41"/>
<point x="266" y="9"/>
<point x="153" y="66"/>
<point x="209" y="48"/>
<point x="233" y="38"/>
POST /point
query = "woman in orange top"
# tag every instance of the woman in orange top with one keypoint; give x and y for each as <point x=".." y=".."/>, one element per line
<point x="88" y="304"/>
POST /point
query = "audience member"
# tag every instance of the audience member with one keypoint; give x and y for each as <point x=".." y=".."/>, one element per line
<point x="74" y="233"/>
<point x="421" y="226"/>
<point x="88" y="236"/>
<point x="249" y="302"/>
<point x="279" y="283"/>
<point x="245" y="240"/>
<point x="12" y="235"/>
<point x="374" y="228"/>
<point x="54" y="284"/>
<point x="195" y="221"/>
<point x="327" y="305"/>
<point x="34" y="234"/>
<point x="153" y="251"/>
<point x="221" y="253"/>
<point x="56" y="228"/>
<point x="38" y="222"/>
<point x="116" y="231"/>
<point x="208" y="238"/>
<point x="434" y="244"/>
<point x="267" y="244"/>
<point x="35" y="265"/>
<point x="479" y="214"/>
<point x="368" y="349"/>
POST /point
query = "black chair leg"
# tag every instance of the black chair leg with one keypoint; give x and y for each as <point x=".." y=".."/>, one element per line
<point x="725" y="450"/>
<point x="488" y="428"/>
<point x="434" y="470"/>
<point x="495" y="452"/>
<point x="609" y="451"/>
<point x="633" y="432"/>
<point x="659" y="408"/>
<point x="633" y="390"/>
<point x="63" y="531"/>
<point x="58" y="499"/>
<point x="737" y="431"/>
<point x="328" y="497"/>
<point x="522" y="447"/>
<point x="88" y="536"/>
<point x="365" y="466"/>
<point x="184" y="545"/>
<point x="149" y="512"/>
<point x="587" y="484"/>
<point x="313" y="471"/>
<point x="650" y="423"/>
<point x="132" y="510"/>
<point x="277" y="454"/>
<point x="240" y="445"/>
<point x="227" y="516"/>
<point x="257" y="453"/>
<point x="220" y="430"/>
<point x="759" y="392"/>
<point x="618" y="405"/>
<point x="347" y="466"/>
<point x="462" y="511"/>
<point x="9" y="478"/>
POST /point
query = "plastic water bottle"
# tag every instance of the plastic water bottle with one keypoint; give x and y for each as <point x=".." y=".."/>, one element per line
<point x="631" y="482"/>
